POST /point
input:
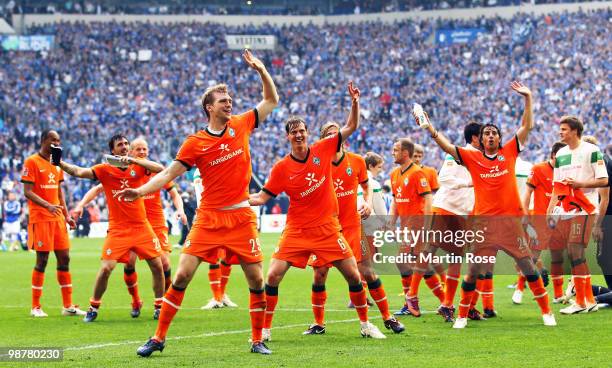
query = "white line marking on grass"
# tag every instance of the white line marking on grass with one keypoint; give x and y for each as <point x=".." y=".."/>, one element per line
<point x="127" y="307"/>
<point x="207" y="334"/>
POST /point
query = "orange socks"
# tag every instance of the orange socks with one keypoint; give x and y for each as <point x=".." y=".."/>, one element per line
<point x="539" y="292"/>
<point x="468" y="295"/>
<point x="257" y="310"/>
<point x="520" y="282"/>
<point x="131" y="281"/>
<point x="214" y="278"/>
<point x="271" y="301"/>
<point x="556" y="272"/>
<point x="171" y="303"/>
<point x="487" y="291"/>
<point x="433" y="282"/>
<point x="318" y="298"/>
<point x="65" y="281"/>
<point x="415" y="282"/>
<point x="380" y="298"/>
<point x="406" y="281"/>
<point x="226" y="270"/>
<point x="452" y="281"/>
<point x="38" y="278"/>
<point x="580" y="272"/>
<point x="360" y="301"/>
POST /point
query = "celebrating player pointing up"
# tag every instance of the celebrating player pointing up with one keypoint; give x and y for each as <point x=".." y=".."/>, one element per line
<point x="224" y="217"/>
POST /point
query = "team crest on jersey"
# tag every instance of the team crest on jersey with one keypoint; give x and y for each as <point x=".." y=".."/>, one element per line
<point x="316" y="160"/>
<point x="349" y="171"/>
<point x="501" y="158"/>
<point x="232" y="132"/>
<point x="405" y="181"/>
<point x="132" y="173"/>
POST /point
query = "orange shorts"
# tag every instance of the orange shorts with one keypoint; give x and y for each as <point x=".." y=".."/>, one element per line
<point x="444" y="222"/>
<point x="233" y="231"/>
<point x="501" y="233"/>
<point x="139" y="238"/>
<point x="162" y="235"/>
<point x="325" y="242"/>
<point x="546" y="239"/>
<point x="575" y="231"/>
<point x="48" y="236"/>
<point x="356" y="241"/>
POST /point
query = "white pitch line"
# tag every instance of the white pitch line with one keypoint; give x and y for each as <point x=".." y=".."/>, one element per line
<point x="208" y="334"/>
<point x="189" y="308"/>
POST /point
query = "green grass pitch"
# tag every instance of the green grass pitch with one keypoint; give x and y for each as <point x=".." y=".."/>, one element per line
<point x="219" y="337"/>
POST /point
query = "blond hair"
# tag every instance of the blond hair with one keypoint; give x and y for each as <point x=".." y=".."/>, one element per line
<point x="327" y="126"/>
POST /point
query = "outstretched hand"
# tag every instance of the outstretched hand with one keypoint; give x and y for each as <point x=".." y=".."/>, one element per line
<point x="127" y="195"/>
<point x="253" y="62"/>
<point x="520" y="88"/>
<point x="354" y="92"/>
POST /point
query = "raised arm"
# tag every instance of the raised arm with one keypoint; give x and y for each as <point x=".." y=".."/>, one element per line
<point x="77" y="171"/>
<point x="152" y="166"/>
<point x="270" y="96"/>
<point x="157" y="183"/>
<point x="527" y="121"/>
<point x="441" y="140"/>
<point x="87" y="198"/>
<point x="352" y="123"/>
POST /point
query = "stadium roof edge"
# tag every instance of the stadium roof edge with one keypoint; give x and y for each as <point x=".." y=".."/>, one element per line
<point x="5" y="28"/>
<point x="20" y="20"/>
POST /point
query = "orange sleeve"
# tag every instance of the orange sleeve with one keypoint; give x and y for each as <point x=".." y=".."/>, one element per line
<point x="511" y="148"/>
<point x="466" y="157"/>
<point x="363" y="170"/>
<point x="99" y="171"/>
<point x="276" y="182"/>
<point x="330" y="145"/>
<point x="422" y="185"/>
<point x="187" y="153"/>
<point x="433" y="179"/>
<point x="29" y="171"/>
<point x="250" y="119"/>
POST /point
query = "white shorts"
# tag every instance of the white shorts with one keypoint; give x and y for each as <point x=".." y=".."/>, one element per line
<point x="11" y="228"/>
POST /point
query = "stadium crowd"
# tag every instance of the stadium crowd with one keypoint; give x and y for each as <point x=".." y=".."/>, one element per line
<point x="93" y="84"/>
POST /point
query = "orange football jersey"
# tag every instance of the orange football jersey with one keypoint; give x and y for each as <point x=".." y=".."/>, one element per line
<point x="113" y="180"/>
<point x="224" y="161"/>
<point x="153" y="203"/>
<point x="347" y="174"/>
<point x="46" y="180"/>
<point x="309" y="185"/>
<point x="432" y="177"/>
<point x="495" y="188"/>
<point x="541" y="180"/>
<point x="408" y="187"/>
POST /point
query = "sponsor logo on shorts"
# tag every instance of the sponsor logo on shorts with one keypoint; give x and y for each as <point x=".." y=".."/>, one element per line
<point x="108" y="252"/>
<point x="40" y="243"/>
<point x="188" y="244"/>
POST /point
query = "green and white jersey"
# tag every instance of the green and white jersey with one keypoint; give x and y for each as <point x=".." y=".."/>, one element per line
<point x="585" y="162"/>
<point x="197" y="185"/>
<point x="522" y="169"/>
<point x="378" y="203"/>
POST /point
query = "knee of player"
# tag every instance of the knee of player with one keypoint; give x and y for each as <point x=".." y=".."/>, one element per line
<point x="369" y="275"/>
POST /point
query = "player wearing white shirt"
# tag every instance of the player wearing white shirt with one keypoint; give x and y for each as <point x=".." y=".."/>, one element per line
<point x="218" y="273"/>
<point x="580" y="167"/>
